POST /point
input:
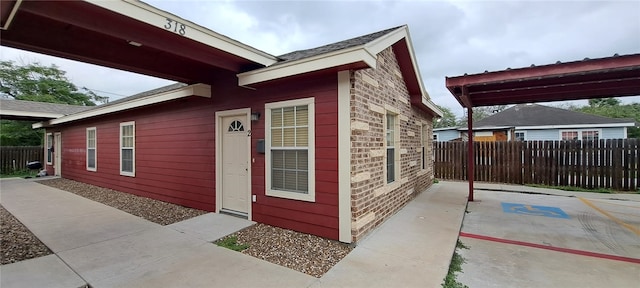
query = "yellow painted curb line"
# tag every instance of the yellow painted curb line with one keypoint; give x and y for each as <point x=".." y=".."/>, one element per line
<point x="605" y="213"/>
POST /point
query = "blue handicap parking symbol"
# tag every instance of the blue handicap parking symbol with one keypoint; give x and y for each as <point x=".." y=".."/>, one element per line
<point x="526" y="209"/>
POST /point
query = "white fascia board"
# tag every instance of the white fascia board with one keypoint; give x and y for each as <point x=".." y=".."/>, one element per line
<point x="319" y="62"/>
<point x="378" y="45"/>
<point x="577" y="126"/>
<point x="201" y="90"/>
<point x="432" y="106"/>
<point x="31" y="114"/>
<point x="153" y="16"/>
<point x="12" y="14"/>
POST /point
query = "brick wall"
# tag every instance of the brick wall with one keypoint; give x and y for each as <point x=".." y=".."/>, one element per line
<point x="373" y="93"/>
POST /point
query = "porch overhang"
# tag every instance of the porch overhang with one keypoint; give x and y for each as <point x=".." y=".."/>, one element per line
<point x="127" y="35"/>
<point x="615" y="76"/>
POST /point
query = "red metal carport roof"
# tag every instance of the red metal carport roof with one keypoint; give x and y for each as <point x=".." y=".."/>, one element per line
<point x="126" y="35"/>
<point x="614" y="76"/>
<point x="590" y="78"/>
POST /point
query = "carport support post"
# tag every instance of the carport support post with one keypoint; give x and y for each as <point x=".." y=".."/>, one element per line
<point x="470" y="159"/>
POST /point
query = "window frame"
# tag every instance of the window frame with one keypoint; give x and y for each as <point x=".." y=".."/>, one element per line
<point x="310" y="196"/>
<point x="423" y="146"/>
<point x="396" y="147"/>
<point x="131" y="173"/>
<point x="524" y="135"/>
<point x="598" y="132"/>
<point x="95" y="149"/>
<point x="49" y="147"/>
<point x="580" y="134"/>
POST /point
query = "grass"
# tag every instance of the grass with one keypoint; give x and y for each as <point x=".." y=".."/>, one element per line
<point x="575" y="189"/>
<point x="435" y="180"/>
<point x="451" y="281"/>
<point x="18" y="173"/>
<point x="231" y="242"/>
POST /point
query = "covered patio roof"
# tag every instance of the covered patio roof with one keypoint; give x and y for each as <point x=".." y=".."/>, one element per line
<point x="615" y="76"/>
<point x="127" y="35"/>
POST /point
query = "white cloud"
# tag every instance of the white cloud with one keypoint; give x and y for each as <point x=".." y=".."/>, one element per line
<point x="450" y="37"/>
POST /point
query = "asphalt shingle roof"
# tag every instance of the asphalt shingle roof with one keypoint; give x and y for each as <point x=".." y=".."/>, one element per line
<point x="539" y="115"/>
<point x="353" y="42"/>
<point x="41" y="107"/>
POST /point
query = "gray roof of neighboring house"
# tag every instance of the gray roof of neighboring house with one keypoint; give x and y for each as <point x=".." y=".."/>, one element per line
<point x="353" y="42"/>
<point x="539" y="115"/>
<point x="41" y="107"/>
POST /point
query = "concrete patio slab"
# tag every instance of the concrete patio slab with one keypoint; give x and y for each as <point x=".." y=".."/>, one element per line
<point x="47" y="271"/>
<point x="490" y="264"/>
<point x="128" y="254"/>
<point x="70" y="232"/>
<point x="211" y="226"/>
<point x="411" y="249"/>
<point x="209" y="266"/>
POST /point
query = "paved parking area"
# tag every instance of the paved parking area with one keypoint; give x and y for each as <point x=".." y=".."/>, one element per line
<point x="532" y="240"/>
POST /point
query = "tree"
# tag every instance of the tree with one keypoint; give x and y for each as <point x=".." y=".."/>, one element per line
<point x="448" y="118"/>
<point x="610" y="107"/>
<point x="36" y="82"/>
<point x="480" y="113"/>
<point x="603" y="102"/>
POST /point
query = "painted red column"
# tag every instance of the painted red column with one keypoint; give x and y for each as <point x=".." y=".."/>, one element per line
<point x="470" y="159"/>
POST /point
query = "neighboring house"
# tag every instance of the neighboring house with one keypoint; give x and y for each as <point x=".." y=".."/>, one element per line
<point x="329" y="141"/>
<point x="446" y="134"/>
<point x="525" y="122"/>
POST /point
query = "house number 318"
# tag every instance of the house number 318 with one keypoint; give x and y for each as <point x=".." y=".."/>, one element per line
<point x="175" y="26"/>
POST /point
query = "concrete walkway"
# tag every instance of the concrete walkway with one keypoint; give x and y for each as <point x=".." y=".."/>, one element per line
<point x="105" y="247"/>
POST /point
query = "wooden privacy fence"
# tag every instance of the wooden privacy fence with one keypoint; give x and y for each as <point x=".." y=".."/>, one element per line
<point x="15" y="158"/>
<point x="588" y="164"/>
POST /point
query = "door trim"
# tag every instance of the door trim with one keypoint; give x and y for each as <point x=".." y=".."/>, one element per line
<point x="218" y="134"/>
<point x="57" y="154"/>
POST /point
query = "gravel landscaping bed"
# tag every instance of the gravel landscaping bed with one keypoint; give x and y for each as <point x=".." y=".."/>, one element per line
<point x="153" y="210"/>
<point x="18" y="243"/>
<point x="306" y="253"/>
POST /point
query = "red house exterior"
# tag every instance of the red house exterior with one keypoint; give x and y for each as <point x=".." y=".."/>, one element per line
<point x="328" y="141"/>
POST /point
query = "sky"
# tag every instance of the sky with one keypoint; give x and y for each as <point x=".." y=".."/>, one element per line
<point x="449" y="38"/>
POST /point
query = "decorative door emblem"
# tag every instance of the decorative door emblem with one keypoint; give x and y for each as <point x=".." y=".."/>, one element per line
<point x="235" y="126"/>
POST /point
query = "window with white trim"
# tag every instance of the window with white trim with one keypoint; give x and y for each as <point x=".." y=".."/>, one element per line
<point x="435" y="137"/>
<point x="290" y="157"/>
<point x="92" y="155"/>
<point x="128" y="149"/>
<point x="391" y="145"/>
<point x="569" y="135"/>
<point x="520" y="135"/>
<point x="590" y="135"/>
<point x="585" y="135"/>
<point x="49" y="146"/>
<point x="423" y="143"/>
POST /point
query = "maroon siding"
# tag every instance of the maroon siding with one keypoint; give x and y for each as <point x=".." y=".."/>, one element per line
<point x="175" y="152"/>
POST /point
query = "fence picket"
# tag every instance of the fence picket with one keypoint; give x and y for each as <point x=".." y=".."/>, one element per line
<point x="589" y="164"/>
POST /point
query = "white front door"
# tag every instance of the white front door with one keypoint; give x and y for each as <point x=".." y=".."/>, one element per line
<point x="235" y="163"/>
<point x="57" y="154"/>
